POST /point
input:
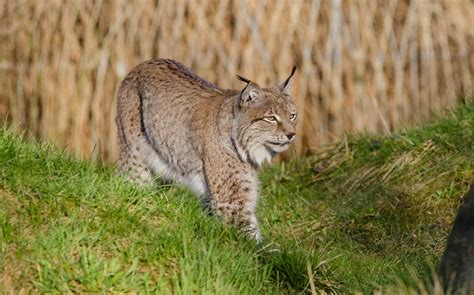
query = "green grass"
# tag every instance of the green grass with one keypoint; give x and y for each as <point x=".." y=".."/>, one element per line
<point x="360" y="216"/>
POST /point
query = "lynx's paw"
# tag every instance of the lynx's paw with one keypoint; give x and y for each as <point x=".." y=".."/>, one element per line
<point x="252" y="230"/>
<point x="255" y="235"/>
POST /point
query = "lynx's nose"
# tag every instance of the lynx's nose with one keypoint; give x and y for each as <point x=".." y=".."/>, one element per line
<point x="290" y="136"/>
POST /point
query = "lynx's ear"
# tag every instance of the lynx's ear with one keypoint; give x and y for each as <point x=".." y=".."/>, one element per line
<point x="250" y="93"/>
<point x="285" y="86"/>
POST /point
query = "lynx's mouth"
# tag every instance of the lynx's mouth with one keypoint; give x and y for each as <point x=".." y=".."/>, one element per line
<point x="277" y="146"/>
<point x="285" y="143"/>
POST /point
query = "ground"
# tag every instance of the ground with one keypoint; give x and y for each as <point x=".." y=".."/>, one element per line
<point x="369" y="213"/>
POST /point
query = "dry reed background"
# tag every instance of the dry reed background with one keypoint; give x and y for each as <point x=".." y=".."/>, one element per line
<point x="362" y="64"/>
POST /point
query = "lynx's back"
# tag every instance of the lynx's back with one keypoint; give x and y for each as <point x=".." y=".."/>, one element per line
<point x="176" y="125"/>
<point x="157" y="103"/>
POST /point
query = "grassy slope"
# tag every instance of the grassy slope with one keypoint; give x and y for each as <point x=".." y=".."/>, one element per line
<point x="357" y="217"/>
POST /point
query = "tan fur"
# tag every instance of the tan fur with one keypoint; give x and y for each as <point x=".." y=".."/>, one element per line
<point x="176" y="125"/>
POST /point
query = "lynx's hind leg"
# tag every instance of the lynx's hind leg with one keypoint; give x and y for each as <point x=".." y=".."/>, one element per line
<point x="134" y="169"/>
<point x="131" y="160"/>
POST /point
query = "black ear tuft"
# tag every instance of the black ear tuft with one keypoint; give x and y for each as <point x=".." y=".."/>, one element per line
<point x="285" y="85"/>
<point x="243" y="79"/>
<point x="289" y="78"/>
<point x="293" y="71"/>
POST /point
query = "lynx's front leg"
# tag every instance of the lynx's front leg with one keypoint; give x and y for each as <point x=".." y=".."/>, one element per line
<point x="233" y="187"/>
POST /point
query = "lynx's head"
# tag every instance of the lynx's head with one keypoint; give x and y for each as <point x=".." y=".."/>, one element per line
<point x="264" y="120"/>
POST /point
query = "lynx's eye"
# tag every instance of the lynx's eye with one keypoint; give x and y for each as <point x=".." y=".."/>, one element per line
<point x="292" y="116"/>
<point x="271" y="119"/>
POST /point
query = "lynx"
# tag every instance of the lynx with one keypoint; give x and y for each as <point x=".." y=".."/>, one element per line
<point x="175" y="125"/>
